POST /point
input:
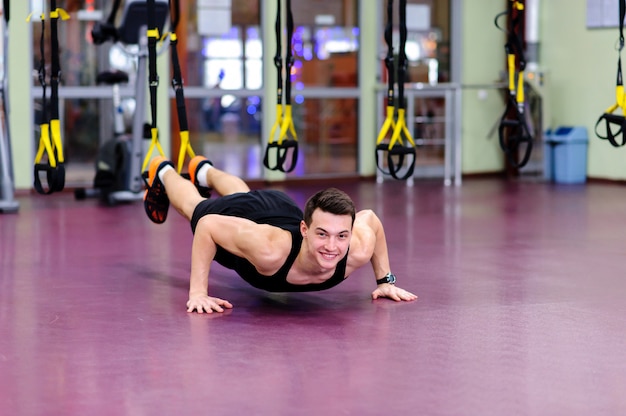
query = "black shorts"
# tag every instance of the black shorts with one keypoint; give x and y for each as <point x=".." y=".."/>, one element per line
<point x="261" y="206"/>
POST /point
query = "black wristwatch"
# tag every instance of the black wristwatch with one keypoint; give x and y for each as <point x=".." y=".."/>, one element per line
<point x="389" y="278"/>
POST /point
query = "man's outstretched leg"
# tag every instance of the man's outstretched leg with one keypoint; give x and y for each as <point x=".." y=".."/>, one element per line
<point x="165" y="185"/>
<point x="203" y="174"/>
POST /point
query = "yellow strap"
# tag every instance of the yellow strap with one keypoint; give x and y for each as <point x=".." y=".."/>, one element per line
<point x="165" y="35"/>
<point x="153" y="33"/>
<point x="620" y="101"/>
<point x="520" y="88"/>
<point x="42" y="17"/>
<point x="287" y="125"/>
<point x="620" y="97"/>
<point x="511" y="64"/>
<point x="57" y="143"/>
<point x="388" y="125"/>
<point x="518" y="5"/>
<point x="153" y="143"/>
<point x="277" y="123"/>
<point x="399" y="130"/>
<point x="185" y="147"/>
<point x="611" y="108"/>
<point x="59" y="12"/>
<point x="44" y="144"/>
<point x="55" y="14"/>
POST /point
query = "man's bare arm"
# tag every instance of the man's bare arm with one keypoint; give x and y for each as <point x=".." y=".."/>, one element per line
<point x="203" y="252"/>
<point x="369" y="243"/>
<point x="262" y="245"/>
<point x="374" y="238"/>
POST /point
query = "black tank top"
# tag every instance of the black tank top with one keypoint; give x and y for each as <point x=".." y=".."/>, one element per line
<point x="273" y="208"/>
<point x="278" y="281"/>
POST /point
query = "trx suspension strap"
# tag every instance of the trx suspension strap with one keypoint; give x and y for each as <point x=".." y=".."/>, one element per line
<point x="614" y="124"/>
<point x="177" y="84"/>
<point x="513" y="131"/>
<point x="395" y="148"/>
<point x="50" y="137"/>
<point x="153" y="83"/>
<point x="284" y="120"/>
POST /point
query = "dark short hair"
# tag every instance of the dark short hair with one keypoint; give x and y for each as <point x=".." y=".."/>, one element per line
<point x="330" y="200"/>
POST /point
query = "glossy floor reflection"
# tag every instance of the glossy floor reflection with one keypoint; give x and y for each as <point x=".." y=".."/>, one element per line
<point x="521" y="312"/>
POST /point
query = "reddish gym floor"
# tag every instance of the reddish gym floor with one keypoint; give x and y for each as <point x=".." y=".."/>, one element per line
<point x="521" y="312"/>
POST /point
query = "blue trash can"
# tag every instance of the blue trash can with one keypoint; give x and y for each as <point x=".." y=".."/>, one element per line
<point x="565" y="155"/>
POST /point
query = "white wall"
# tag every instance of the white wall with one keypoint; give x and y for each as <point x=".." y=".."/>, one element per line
<point x="482" y="106"/>
<point x="581" y="65"/>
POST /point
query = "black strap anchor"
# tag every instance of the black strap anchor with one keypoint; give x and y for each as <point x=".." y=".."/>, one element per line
<point x="615" y="124"/>
<point x="285" y="148"/>
<point x="181" y="107"/>
<point x="513" y="132"/>
<point x="153" y="83"/>
<point x="50" y="140"/>
<point x="177" y="85"/>
<point x="395" y="149"/>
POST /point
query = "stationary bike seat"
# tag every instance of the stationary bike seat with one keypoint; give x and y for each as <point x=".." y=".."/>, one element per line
<point x="112" y="77"/>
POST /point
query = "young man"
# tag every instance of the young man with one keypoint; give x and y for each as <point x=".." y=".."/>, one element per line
<point x="265" y="237"/>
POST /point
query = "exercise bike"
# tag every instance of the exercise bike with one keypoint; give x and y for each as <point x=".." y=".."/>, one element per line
<point x="118" y="165"/>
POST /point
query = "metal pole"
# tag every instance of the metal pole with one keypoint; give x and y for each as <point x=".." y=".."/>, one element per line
<point x="7" y="202"/>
